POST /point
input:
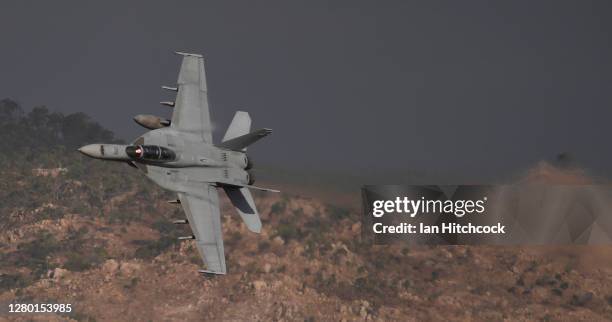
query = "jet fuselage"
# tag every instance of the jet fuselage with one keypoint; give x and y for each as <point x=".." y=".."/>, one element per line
<point x="160" y="148"/>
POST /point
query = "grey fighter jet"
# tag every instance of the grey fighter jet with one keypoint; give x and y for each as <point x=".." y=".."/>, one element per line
<point x="179" y="155"/>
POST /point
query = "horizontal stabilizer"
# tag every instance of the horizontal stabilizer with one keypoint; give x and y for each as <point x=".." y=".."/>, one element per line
<point x="240" y="143"/>
<point x="243" y="202"/>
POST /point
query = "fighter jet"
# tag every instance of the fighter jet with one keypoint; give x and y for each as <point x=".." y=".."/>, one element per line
<point x="179" y="155"/>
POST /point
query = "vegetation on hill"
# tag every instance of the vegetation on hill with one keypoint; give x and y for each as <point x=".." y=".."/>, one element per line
<point x="41" y="129"/>
<point x="101" y="236"/>
<point x="89" y="189"/>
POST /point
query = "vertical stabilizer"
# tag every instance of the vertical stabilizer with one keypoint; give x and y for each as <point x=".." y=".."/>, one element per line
<point x="243" y="202"/>
<point x="241" y="125"/>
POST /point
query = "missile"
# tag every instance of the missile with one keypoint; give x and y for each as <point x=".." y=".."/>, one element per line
<point x="151" y="122"/>
<point x="180" y="221"/>
<point x="168" y="103"/>
<point x="187" y="54"/>
<point x="168" y="88"/>
<point x="186" y="237"/>
<point x="175" y="201"/>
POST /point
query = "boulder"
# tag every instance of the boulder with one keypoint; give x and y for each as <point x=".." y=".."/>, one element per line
<point x="127" y="268"/>
<point x="59" y="273"/>
<point x="259" y="285"/>
<point x="110" y="267"/>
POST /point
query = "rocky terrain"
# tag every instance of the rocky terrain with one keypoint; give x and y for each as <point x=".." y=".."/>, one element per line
<point x="99" y="235"/>
<point x="107" y="246"/>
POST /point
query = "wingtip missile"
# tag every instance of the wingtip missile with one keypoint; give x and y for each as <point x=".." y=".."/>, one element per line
<point x="169" y="88"/>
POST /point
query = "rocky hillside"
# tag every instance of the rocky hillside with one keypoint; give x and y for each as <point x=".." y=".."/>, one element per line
<point x="99" y="235"/>
<point x="102" y="239"/>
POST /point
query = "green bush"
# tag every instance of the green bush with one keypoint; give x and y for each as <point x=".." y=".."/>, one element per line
<point x="34" y="254"/>
<point x="337" y="213"/>
<point x="77" y="263"/>
<point x="51" y="213"/>
<point x="152" y="248"/>
<point x="288" y="231"/>
<point x="263" y="246"/>
<point x="132" y="284"/>
<point x="278" y="207"/>
<point x="80" y="262"/>
<point x="10" y="281"/>
<point x="165" y="226"/>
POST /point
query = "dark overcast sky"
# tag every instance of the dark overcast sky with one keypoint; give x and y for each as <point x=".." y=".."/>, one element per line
<point x="463" y="86"/>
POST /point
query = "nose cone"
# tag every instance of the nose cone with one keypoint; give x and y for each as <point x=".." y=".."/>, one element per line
<point x="92" y="150"/>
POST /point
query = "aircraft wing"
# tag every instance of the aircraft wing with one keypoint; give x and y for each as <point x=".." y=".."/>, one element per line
<point x="203" y="214"/>
<point x="191" y="113"/>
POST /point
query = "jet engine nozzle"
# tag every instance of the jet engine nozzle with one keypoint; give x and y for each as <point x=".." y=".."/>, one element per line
<point x="151" y="122"/>
<point x="250" y="177"/>
<point x="153" y="153"/>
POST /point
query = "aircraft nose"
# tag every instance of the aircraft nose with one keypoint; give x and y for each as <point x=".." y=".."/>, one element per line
<point x="91" y="150"/>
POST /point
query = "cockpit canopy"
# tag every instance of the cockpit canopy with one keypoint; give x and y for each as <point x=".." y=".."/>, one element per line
<point x="150" y="153"/>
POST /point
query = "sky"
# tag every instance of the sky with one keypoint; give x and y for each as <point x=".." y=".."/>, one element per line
<point x="471" y="87"/>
